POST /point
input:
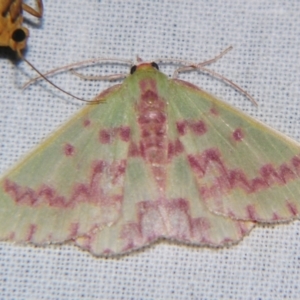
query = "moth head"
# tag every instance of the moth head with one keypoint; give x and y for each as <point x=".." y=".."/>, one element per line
<point x="144" y="65"/>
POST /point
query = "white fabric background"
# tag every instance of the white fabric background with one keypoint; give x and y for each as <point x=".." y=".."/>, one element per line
<point x="265" y="61"/>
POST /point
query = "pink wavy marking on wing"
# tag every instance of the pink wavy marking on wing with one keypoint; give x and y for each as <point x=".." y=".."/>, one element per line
<point x="227" y="179"/>
<point x="69" y="150"/>
<point x="105" y="136"/>
<point x="200" y="162"/>
<point x="107" y="252"/>
<point x="134" y="150"/>
<point x="164" y="218"/>
<point x="93" y="192"/>
<point x="86" y="122"/>
<point x="276" y="217"/>
<point x="31" y="232"/>
<point x="197" y="127"/>
<point x="243" y="227"/>
<point x="292" y="208"/>
<point x="74" y="228"/>
<point x="252" y="213"/>
<point x="108" y="135"/>
<point x="238" y="135"/>
<point x="181" y="127"/>
<point x="201" y="229"/>
<point x="214" y="111"/>
<point x="174" y="148"/>
<point x="172" y="220"/>
<point x="124" y="133"/>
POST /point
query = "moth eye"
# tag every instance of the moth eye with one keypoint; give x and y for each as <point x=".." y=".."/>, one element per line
<point x="133" y="69"/>
<point x="19" y="35"/>
<point x="155" y="65"/>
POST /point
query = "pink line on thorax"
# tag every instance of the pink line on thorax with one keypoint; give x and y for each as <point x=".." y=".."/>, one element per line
<point x="151" y="117"/>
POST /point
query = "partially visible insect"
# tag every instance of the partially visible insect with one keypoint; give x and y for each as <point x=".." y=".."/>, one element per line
<point x="12" y="32"/>
<point x="14" y="35"/>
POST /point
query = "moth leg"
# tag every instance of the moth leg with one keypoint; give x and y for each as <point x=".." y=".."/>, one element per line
<point x="34" y="12"/>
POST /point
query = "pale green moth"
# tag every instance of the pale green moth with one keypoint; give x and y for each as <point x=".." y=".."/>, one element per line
<point x="160" y="159"/>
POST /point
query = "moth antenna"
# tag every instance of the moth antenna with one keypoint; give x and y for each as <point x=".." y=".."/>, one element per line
<point x="219" y="56"/>
<point x="138" y="59"/>
<point x="200" y="66"/>
<point x="230" y="82"/>
<point x="105" y="77"/>
<point x="216" y="75"/>
<point x="190" y="63"/>
<point x="76" y="65"/>
<point x="49" y="81"/>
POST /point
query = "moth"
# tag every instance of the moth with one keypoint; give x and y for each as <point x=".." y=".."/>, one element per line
<point x="157" y="158"/>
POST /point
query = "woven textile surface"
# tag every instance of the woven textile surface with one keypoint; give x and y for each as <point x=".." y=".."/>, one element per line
<point x="265" y="61"/>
